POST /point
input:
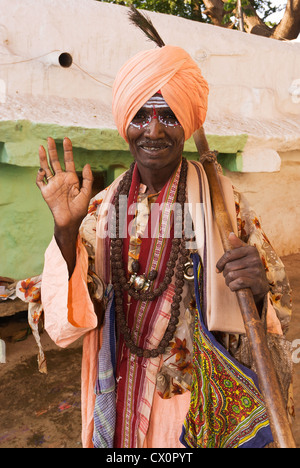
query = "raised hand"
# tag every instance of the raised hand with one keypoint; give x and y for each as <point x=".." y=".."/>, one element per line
<point x="61" y="189"/>
<point x="67" y="201"/>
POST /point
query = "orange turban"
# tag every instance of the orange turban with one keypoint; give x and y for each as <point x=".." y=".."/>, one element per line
<point x="169" y="69"/>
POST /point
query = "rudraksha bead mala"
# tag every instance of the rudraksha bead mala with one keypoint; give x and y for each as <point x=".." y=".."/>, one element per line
<point x="178" y="258"/>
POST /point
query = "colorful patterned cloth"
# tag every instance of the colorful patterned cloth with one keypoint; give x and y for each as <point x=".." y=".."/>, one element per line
<point x="226" y="410"/>
<point x="182" y="368"/>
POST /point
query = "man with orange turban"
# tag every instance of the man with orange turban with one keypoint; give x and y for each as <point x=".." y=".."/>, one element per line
<point x="169" y="70"/>
<point x="165" y="360"/>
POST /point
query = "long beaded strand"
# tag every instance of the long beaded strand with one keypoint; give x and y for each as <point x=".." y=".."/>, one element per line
<point x="179" y="254"/>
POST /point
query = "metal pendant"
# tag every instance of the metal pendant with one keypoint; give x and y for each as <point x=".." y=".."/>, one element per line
<point x="189" y="271"/>
<point x="139" y="282"/>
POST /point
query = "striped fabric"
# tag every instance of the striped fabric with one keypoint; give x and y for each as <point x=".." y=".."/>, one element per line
<point x="105" y="406"/>
<point x="148" y="322"/>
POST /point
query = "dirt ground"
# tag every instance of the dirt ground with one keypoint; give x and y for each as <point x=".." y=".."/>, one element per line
<point x="38" y="410"/>
<point x="43" y="411"/>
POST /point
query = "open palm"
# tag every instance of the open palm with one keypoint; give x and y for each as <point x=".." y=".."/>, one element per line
<point x="61" y="189"/>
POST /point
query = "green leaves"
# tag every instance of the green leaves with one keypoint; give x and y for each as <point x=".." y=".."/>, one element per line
<point x="197" y="10"/>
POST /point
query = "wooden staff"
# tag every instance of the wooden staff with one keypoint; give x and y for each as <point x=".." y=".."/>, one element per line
<point x="268" y="381"/>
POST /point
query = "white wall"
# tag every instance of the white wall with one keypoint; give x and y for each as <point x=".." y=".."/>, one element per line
<point x="254" y="87"/>
<point x="254" y="81"/>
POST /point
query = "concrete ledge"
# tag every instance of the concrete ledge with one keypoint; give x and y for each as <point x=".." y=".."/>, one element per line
<point x="261" y="160"/>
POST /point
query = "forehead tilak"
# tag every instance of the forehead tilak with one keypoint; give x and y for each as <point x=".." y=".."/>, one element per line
<point x="156" y="101"/>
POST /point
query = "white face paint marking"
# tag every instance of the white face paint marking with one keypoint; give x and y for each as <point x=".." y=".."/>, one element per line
<point x="155" y="108"/>
<point x="155" y="101"/>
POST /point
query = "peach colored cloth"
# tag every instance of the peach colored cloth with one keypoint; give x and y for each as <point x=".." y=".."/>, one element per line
<point x="169" y="69"/>
<point x="66" y="325"/>
<point x="173" y="410"/>
<point x="72" y="311"/>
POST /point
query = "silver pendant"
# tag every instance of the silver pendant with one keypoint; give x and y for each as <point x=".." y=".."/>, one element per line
<point x="139" y="282"/>
<point x="189" y="271"/>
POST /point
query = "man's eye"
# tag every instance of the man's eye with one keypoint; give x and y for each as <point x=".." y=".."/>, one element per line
<point x="140" y="117"/>
<point x="170" y="118"/>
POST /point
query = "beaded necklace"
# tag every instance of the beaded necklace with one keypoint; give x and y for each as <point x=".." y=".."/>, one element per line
<point x="178" y="258"/>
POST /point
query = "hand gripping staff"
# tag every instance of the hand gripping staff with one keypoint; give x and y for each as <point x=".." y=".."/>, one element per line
<point x="268" y="381"/>
<point x="267" y="377"/>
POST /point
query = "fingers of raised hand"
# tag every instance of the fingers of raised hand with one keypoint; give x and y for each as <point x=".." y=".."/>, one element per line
<point x="44" y="171"/>
<point x="53" y="156"/>
<point x="51" y="166"/>
<point x="87" y="180"/>
<point x="47" y="171"/>
<point x="68" y="155"/>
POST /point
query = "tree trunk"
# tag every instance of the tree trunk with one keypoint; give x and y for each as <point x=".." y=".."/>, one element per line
<point x="287" y="29"/>
<point x="215" y="10"/>
<point x="254" y="24"/>
<point x="289" y="26"/>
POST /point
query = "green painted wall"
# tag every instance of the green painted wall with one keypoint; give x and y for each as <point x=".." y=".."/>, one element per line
<point x="20" y="140"/>
<point x="26" y="223"/>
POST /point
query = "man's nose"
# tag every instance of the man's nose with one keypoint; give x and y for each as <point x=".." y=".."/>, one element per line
<point x="155" y="129"/>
